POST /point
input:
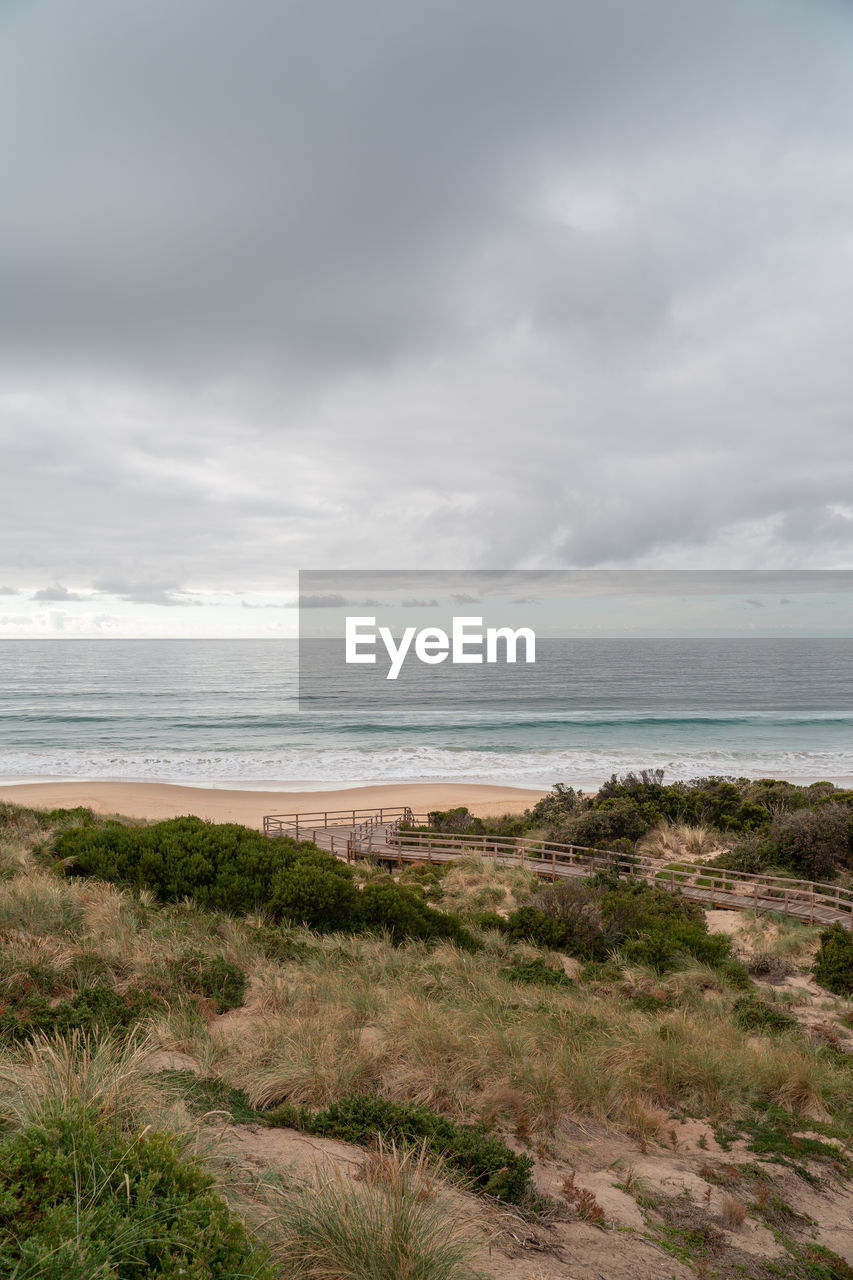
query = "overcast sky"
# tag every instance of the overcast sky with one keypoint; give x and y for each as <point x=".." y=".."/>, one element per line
<point x="470" y="283"/>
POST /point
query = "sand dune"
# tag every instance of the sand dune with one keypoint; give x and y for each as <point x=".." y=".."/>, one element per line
<point x="162" y="800"/>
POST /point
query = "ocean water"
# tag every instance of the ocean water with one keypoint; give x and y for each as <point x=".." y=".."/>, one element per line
<point x="225" y="713"/>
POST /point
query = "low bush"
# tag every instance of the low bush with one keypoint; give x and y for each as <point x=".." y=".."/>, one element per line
<point x="590" y="920"/>
<point x="78" y="1199"/>
<point x="532" y="924"/>
<point x="536" y="971"/>
<point x="834" y="962"/>
<point x="487" y="1164"/>
<point x="618" y="818"/>
<point x="98" y="1008"/>
<point x="427" y="879"/>
<point x="488" y="920"/>
<point x="214" y="977"/>
<point x="815" y="843"/>
<point x="759" y="1016"/>
<point x="315" y="894"/>
<point x="665" y="940"/>
<point x="752" y="855"/>
<point x="228" y="867"/>
<point x="401" y="910"/>
<point x="221" y="866"/>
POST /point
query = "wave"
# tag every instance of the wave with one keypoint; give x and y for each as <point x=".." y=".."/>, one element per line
<point x="342" y="766"/>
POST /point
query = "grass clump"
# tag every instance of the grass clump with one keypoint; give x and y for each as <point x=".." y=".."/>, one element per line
<point x="488" y="1165"/>
<point x="391" y="1223"/>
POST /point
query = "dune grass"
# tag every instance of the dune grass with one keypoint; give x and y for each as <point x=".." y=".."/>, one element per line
<point x="393" y="1222"/>
<point x="497" y="1036"/>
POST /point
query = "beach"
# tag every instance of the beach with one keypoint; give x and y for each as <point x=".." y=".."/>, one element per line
<point x="156" y="800"/>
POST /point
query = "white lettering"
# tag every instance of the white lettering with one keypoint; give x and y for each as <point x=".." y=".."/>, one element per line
<point x="461" y="637"/>
<point x="432" y="645"/>
<point x="511" y="637"/>
<point x="396" y="652"/>
<point x="353" y="639"/>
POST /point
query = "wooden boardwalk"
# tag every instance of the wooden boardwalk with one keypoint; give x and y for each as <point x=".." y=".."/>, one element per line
<point x="378" y="834"/>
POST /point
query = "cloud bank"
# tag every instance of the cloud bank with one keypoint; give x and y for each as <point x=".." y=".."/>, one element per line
<point x="322" y="285"/>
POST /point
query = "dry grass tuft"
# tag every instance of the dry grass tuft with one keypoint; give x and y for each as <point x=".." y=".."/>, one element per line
<point x="395" y="1219"/>
<point x="105" y="1075"/>
<point x="732" y="1212"/>
<point x="675" y="841"/>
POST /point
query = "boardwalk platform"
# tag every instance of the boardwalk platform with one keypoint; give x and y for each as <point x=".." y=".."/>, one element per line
<point x="385" y="836"/>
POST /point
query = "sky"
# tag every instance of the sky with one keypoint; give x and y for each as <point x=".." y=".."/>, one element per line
<point x="472" y="284"/>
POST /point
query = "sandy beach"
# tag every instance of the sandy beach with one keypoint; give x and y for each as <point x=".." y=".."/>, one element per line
<point x="162" y="800"/>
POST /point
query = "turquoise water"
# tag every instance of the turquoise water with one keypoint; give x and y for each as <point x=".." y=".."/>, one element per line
<point x="225" y="712"/>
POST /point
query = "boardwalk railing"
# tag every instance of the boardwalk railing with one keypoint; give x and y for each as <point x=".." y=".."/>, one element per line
<point x="386" y="835"/>
<point x="300" y="825"/>
<point x="807" y="900"/>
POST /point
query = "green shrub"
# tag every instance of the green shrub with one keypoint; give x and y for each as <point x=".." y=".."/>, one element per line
<point x="752" y="855"/>
<point x="78" y="1201"/>
<point x="618" y="818"/>
<point x="724" y="803"/>
<point x="229" y="867"/>
<point x="562" y="802"/>
<point x="459" y="821"/>
<point x="591" y="919"/>
<point x="317" y="896"/>
<point x="814" y="843"/>
<point x="834" y="962"/>
<point x="212" y="976"/>
<point x="97" y="1008"/>
<point x="531" y="924"/>
<point x="221" y="866"/>
<point x="278" y="942"/>
<point x="76" y="817"/>
<point x="402" y="911"/>
<point x="535" y="971"/>
<point x="666" y="940"/>
<point x="488" y="1165"/>
<point x="488" y="920"/>
<point x="756" y="1015"/>
<point x="426" y="879"/>
<point x="735" y="973"/>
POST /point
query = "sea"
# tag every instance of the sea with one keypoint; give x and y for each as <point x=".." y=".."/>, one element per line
<point x="226" y="713"/>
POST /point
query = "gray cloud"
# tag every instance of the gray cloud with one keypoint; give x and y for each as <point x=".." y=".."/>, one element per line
<point x="480" y="285"/>
<point x="56" y="593"/>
